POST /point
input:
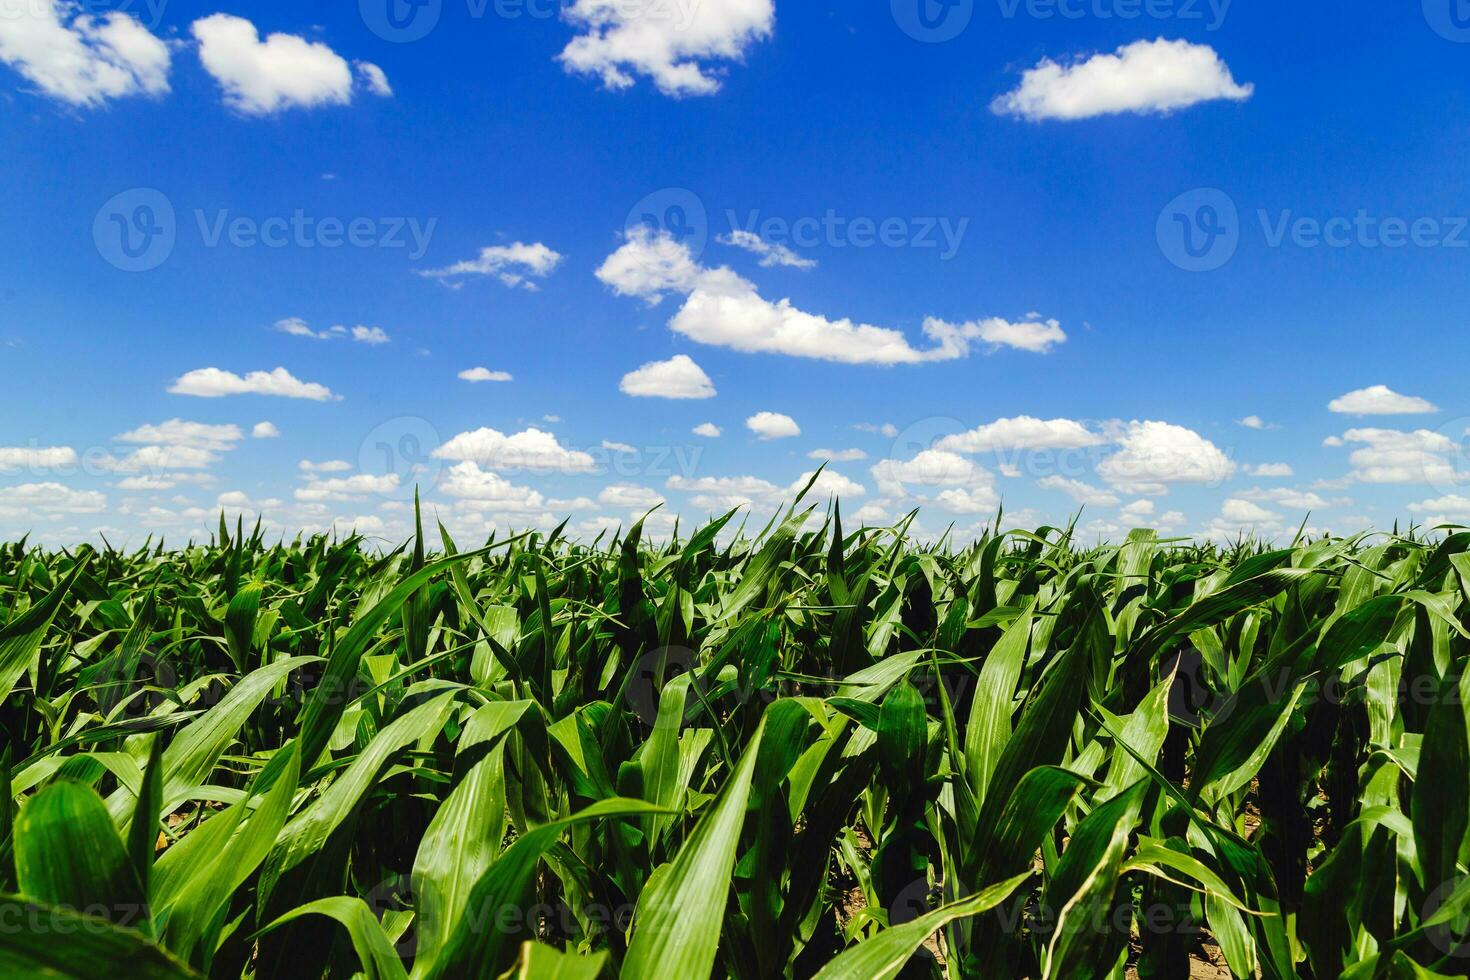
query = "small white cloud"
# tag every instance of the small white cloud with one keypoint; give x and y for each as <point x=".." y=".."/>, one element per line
<point x="261" y="77"/>
<point x="265" y="430"/>
<point x="1143" y="77"/>
<point x="14" y="458"/>
<point x="514" y="265"/>
<point x="1271" y="470"/>
<point x="330" y="466"/>
<point x="618" y="447"/>
<point x="1256" y="422"/>
<point x="771" y="253"/>
<point x="353" y="487"/>
<point x="886" y="429"/>
<point x="478" y="375"/>
<point x="532" y="449"/>
<point x="626" y="496"/>
<point x="370" y="335"/>
<point x="670" y="43"/>
<point x="678" y="377"/>
<point x="1380" y="400"/>
<point x="1393" y="456"/>
<point x="708" y="430"/>
<point x="1083" y="493"/>
<point x="212" y="382"/>
<point x="1023" y="432"/>
<point x="374" y="78"/>
<point x="837" y="455"/>
<point x="82" y="59"/>
<point x="177" y="432"/>
<point x="1240" y="511"/>
<point x="773" y="425"/>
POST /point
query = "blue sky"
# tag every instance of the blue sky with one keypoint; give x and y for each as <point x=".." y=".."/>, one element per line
<point x="998" y="204"/>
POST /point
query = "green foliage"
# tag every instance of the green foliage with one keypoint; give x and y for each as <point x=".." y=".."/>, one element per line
<point x="813" y="753"/>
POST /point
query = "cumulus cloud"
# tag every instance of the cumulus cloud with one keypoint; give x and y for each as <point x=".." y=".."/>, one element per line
<point x="532" y="449"/>
<point x="1153" y="455"/>
<point x="1022" y="432"/>
<point x="724" y="309"/>
<point x="771" y="253"/>
<point x="708" y="430"/>
<point x="1452" y="508"/>
<point x="13" y="458"/>
<point x="329" y="466"/>
<point x="297" y="327"/>
<point x="490" y="491"/>
<point x="1083" y="493"/>
<point x="1394" y="456"/>
<point x="1255" y="422"/>
<point x="1143" y="77"/>
<point x="627" y="496"/>
<point x="48" y="499"/>
<point x="837" y="455"/>
<point x="1238" y="511"/>
<point x="1271" y="470"/>
<point x="930" y="468"/>
<point x="516" y="264"/>
<point x="773" y="425"/>
<point x="353" y="487"/>
<point x="678" y="378"/>
<point x="671" y="43"/>
<point x="479" y="375"/>
<point x="1380" y="400"/>
<point x="212" y="382"/>
<point x="82" y="59"/>
<point x="283" y="71"/>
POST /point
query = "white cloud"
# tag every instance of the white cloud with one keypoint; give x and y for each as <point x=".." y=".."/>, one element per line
<point x="1241" y="511"/>
<point x="370" y="335"/>
<point x="932" y="468"/>
<point x="724" y="309"/>
<point x="1393" y="456"/>
<point x="30" y="499"/>
<point x="773" y="425"/>
<point x="78" y="58"/>
<point x="1380" y="400"/>
<point x="297" y="327"/>
<point x="670" y="43"/>
<point x="1291" y="498"/>
<point x="1083" y="493"/>
<point x="164" y="481"/>
<point x="1450" y="509"/>
<point x="156" y="459"/>
<point x="36" y="457"/>
<point x="477" y="375"/>
<point x="626" y="496"/>
<point x="265" y="430"/>
<point x="283" y="71"/>
<point x="708" y="430"/>
<point x="1023" y="432"/>
<point x="1271" y="470"/>
<point x="886" y="429"/>
<point x="618" y="447"/>
<point x="490" y="491"/>
<point x="771" y="253"/>
<point x="1143" y="77"/>
<point x="1155" y="454"/>
<point x="978" y="500"/>
<point x="1139" y="510"/>
<point x="532" y="449"/>
<point x="1255" y="422"/>
<point x="837" y="455"/>
<point x="330" y="466"/>
<point x="353" y="487"/>
<point x="374" y="78"/>
<point x="648" y="265"/>
<point x="829" y="484"/>
<point x="515" y="264"/>
<point x="214" y="383"/>
<point x="678" y="377"/>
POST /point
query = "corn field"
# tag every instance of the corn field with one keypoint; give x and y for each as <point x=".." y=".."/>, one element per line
<point x="797" y="751"/>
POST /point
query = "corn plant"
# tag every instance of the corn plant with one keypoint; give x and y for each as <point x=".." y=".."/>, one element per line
<point x="808" y="752"/>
